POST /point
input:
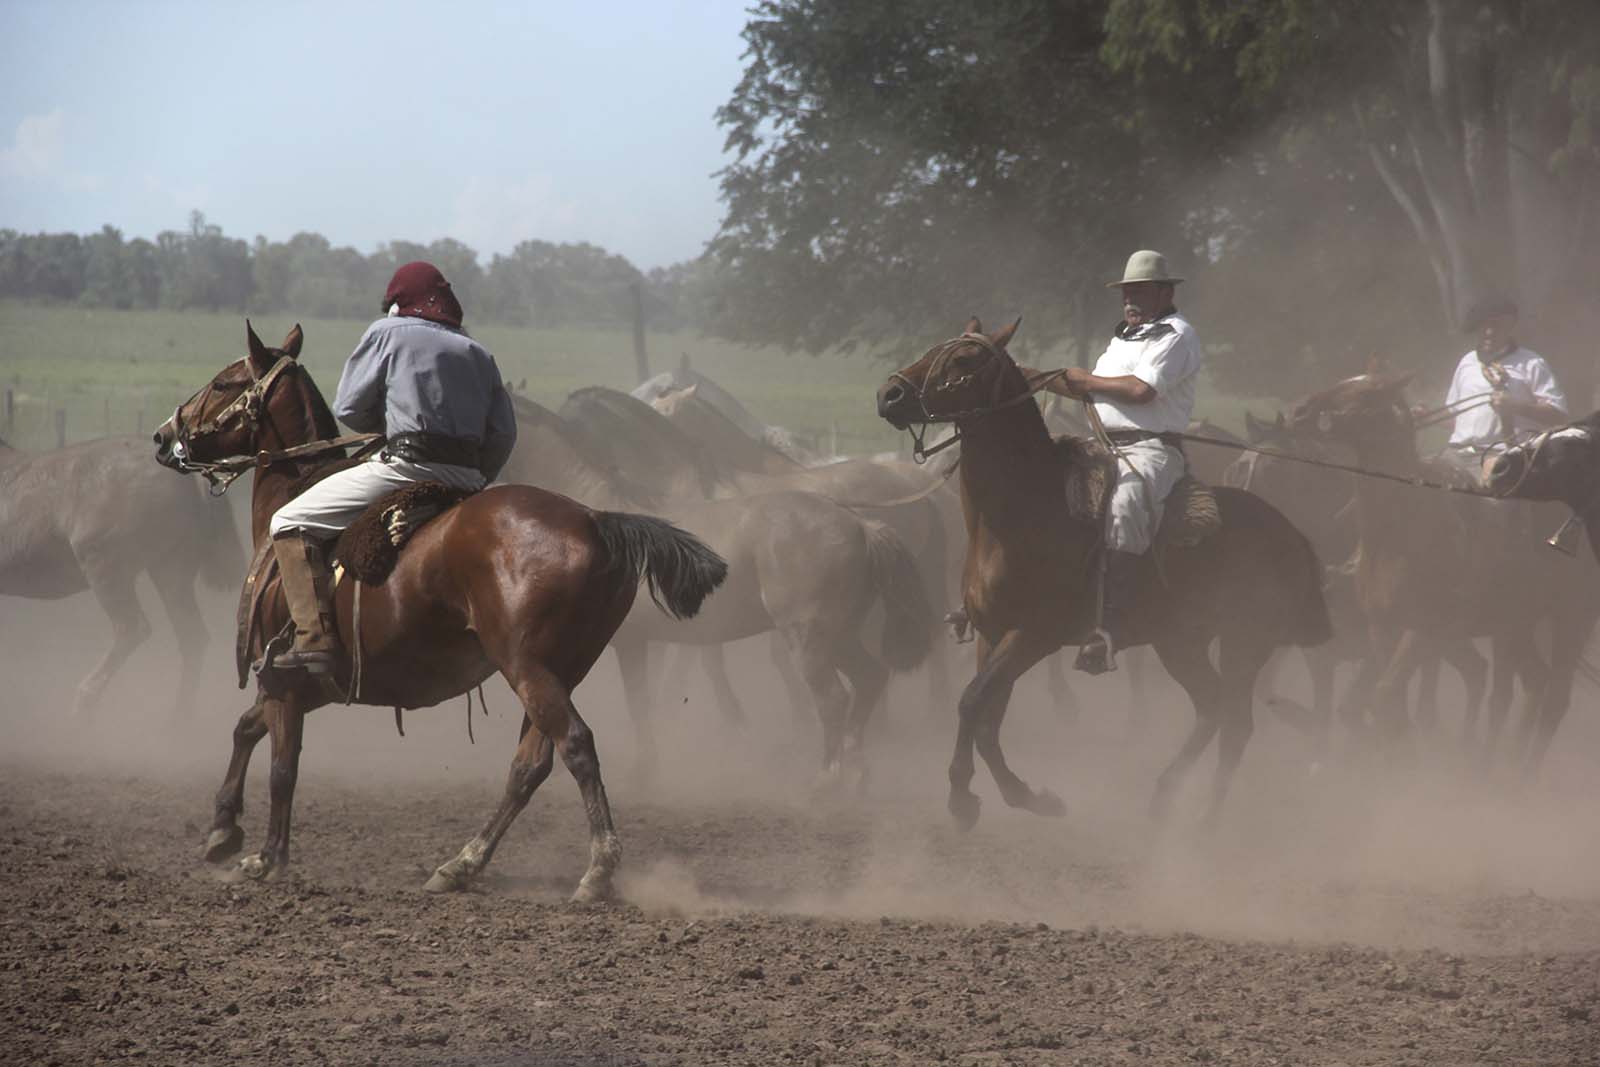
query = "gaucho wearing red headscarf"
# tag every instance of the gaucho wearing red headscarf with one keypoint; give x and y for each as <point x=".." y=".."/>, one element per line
<point x="435" y="393"/>
<point x="419" y="291"/>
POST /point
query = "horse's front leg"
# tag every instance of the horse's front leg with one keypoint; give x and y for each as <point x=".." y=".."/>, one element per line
<point x="226" y="838"/>
<point x="979" y="714"/>
<point x="285" y="721"/>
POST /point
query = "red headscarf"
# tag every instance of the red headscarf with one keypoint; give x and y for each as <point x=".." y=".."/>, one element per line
<point x="422" y="293"/>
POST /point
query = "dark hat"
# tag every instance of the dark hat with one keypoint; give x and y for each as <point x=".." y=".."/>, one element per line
<point x="1487" y="308"/>
<point x="422" y="293"/>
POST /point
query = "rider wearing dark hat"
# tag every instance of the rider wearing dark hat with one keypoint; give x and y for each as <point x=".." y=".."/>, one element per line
<point x="436" y="394"/>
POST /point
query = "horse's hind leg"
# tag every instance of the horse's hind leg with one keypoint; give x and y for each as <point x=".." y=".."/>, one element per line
<point x="176" y="589"/>
<point x="1190" y="667"/>
<point x="113" y="588"/>
<point x="1242" y="661"/>
<point x="226" y="837"/>
<point x="529" y="768"/>
<point x="815" y="661"/>
<point x="867" y="678"/>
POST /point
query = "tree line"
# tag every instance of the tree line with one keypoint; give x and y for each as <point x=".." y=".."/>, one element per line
<point x="1334" y="177"/>
<point x="538" y="283"/>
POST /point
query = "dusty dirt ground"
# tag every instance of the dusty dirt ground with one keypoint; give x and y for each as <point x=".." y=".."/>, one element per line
<point x="1422" y="914"/>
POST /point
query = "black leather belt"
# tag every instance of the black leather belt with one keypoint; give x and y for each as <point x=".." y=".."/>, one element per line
<point x="434" y="448"/>
<point x="1133" y="437"/>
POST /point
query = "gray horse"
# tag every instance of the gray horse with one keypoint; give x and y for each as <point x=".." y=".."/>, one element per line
<point x="95" y="516"/>
<point x="798" y="565"/>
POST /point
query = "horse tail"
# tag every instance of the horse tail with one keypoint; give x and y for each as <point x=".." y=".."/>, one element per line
<point x="908" y="626"/>
<point x="679" y="568"/>
<point x="222" y="558"/>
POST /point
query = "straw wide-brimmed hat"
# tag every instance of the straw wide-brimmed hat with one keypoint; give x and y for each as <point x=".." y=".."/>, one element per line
<point x="1145" y="266"/>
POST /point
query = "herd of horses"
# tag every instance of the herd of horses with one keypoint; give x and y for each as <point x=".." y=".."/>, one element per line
<point x="846" y="565"/>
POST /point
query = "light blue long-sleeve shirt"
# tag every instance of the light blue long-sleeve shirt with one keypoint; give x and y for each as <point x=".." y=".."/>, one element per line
<point x="412" y="375"/>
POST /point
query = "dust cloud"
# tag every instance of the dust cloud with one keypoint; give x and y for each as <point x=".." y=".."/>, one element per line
<point x="1431" y="852"/>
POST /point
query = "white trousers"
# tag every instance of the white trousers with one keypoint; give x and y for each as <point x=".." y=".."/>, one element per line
<point x="1146" y="473"/>
<point x="324" y="510"/>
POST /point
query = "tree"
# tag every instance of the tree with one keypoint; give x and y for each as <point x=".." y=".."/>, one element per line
<point x="899" y="166"/>
<point x="1477" y="116"/>
<point x="108" y="281"/>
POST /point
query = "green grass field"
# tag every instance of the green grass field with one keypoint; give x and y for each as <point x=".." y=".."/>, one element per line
<point x="122" y="371"/>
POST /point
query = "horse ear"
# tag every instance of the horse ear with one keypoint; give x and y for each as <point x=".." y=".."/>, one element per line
<point x="292" y="341"/>
<point x="972" y="326"/>
<point x="1003" y="336"/>
<point x="1376" y="364"/>
<point x="253" y="343"/>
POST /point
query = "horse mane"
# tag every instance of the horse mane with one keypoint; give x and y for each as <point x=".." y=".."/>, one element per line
<point x="321" y="415"/>
<point x="715" y="426"/>
<point x="596" y="470"/>
<point x="649" y="436"/>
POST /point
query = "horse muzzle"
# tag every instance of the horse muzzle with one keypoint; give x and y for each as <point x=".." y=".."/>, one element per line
<point x="897" y="405"/>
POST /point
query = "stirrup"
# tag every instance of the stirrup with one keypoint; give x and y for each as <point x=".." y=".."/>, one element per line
<point x="312" y="661"/>
<point x="1098" y="655"/>
<point x="960" y="625"/>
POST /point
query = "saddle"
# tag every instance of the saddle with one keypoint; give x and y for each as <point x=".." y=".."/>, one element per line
<point x="366" y="551"/>
<point x="1191" y="514"/>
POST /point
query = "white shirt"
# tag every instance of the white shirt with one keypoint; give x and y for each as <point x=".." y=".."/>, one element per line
<point x="1166" y="356"/>
<point x="1528" y="378"/>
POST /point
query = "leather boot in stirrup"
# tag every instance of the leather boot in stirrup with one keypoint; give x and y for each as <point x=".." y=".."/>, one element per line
<point x="308" y="587"/>
<point x="1098" y="655"/>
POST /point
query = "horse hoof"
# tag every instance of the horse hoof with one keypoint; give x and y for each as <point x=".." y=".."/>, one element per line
<point x="223" y="844"/>
<point x="1045" y="802"/>
<point x="964" y="809"/>
<point x="443" y="882"/>
<point x="594" y="891"/>
<point x="250" y="869"/>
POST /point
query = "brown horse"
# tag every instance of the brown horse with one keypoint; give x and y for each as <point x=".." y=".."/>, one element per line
<point x="1255" y="584"/>
<point x="514" y="579"/>
<point x="95" y="516"/>
<point x="1561" y="464"/>
<point x="1320" y="501"/>
<point x="1431" y="572"/>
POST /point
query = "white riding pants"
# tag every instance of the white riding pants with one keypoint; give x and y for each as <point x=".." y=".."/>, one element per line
<point x="1146" y="473"/>
<point x="325" y="509"/>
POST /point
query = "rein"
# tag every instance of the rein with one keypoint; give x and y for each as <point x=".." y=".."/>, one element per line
<point x="941" y="353"/>
<point x="220" y="474"/>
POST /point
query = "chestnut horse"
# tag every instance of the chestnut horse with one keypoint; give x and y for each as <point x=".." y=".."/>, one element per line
<point x="513" y="579"/>
<point x="1255" y="584"/>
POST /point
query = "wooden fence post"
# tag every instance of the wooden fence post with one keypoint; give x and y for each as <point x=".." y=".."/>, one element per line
<point x="641" y="362"/>
<point x="61" y="427"/>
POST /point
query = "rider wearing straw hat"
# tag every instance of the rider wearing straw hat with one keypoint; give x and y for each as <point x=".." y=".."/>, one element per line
<point x="1143" y="390"/>
<point x="1522" y="392"/>
<point x="436" y="394"/>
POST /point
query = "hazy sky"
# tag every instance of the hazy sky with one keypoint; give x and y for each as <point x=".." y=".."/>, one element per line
<point x="488" y="122"/>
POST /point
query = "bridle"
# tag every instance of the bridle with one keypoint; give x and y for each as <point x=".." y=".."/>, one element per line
<point x="244" y="412"/>
<point x="941" y="354"/>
